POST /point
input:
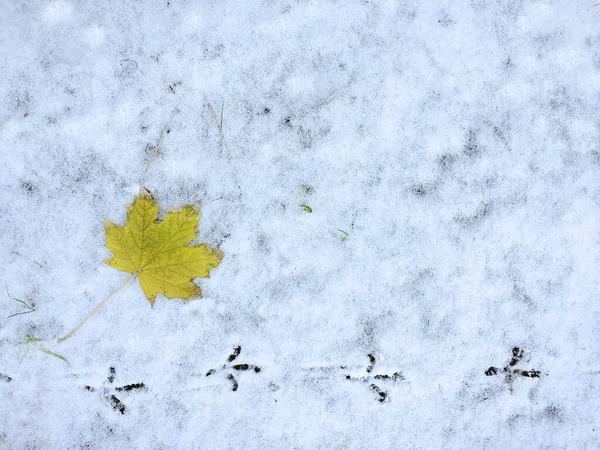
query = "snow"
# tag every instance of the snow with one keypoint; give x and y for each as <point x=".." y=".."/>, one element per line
<point x="458" y="145"/>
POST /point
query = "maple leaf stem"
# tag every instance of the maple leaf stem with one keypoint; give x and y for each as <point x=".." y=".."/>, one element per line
<point x="97" y="308"/>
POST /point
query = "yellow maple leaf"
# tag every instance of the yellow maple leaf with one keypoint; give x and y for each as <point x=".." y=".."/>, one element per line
<point x="157" y="252"/>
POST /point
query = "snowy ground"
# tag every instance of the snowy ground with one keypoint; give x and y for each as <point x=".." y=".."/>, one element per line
<point x="457" y="143"/>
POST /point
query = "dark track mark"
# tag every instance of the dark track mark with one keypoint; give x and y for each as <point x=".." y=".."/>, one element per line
<point x="382" y="395"/>
<point x="238" y="367"/>
<point x="131" y="387"/>
<point x="28" y="187"/>
<point x="491" y="371"/>
<point x="114" y="401"/>
<point x="372" y="363"/>
<point x="234" y="383"/>
<point x="516" y="357"/>
<point x="173" y="86"/>
<point x="509" y="372"/>
<point x="235" y="354"/>
<point x="394" y="377"/>
<point x="111" y="374"/>
<point x="528" y="373"/>
<point x="117" y="404"/>
<point x="246" y="367"/>
<point x="5" y="378"/>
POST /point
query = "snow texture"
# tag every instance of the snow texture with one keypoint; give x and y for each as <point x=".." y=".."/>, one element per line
<point x="457" y="143"/>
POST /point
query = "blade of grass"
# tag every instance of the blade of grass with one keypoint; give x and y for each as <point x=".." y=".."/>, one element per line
<point x="214" y="114"/>
<point x="19" y="300"/>
<point x="48" y="352"/>
<point x="18" y="314"/>
<point x="166" y="129"/>
<point x="345" y="235"/>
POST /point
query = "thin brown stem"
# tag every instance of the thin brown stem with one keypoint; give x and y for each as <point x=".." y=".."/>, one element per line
<point x="214" y="114"/>
<point x="97" y="308"/>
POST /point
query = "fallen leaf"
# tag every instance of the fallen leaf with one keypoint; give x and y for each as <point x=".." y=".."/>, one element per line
<point x="157" y="251"/>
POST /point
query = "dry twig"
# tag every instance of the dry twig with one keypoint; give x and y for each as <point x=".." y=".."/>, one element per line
<point x="214" y="114"/>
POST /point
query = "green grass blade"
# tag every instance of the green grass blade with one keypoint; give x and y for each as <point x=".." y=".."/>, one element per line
<point x="48" y="352"/>
<point x="345" y="235"/>
<point x="19" y="300"/>
<point x="18" y="314"/>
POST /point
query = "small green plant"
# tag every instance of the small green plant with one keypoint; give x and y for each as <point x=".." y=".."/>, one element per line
<point x="31" y="340"/>
<point x="345" y="237"/>
<point x="306" y="190"/>
<point x="30" y="308"/>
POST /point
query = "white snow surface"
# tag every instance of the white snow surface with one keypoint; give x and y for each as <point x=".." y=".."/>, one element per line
<point x="457" y="143"/>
